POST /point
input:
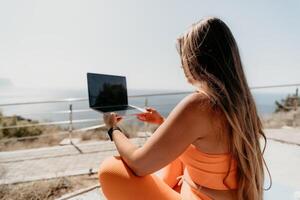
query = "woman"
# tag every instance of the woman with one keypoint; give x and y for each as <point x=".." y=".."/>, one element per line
<point x="209" y="145"/>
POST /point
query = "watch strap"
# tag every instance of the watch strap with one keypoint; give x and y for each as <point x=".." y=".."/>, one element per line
<point x="110" y="132"/>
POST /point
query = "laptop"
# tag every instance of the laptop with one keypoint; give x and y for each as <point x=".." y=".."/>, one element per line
<point x="108" y="93"/>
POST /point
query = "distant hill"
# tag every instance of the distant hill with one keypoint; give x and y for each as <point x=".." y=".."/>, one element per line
<point x="5" y="83"/>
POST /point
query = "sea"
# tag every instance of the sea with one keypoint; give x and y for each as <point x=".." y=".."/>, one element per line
<point x="83" y="116"/>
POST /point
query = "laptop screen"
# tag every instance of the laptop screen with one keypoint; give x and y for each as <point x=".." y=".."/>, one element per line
<point x="106" y="90"/>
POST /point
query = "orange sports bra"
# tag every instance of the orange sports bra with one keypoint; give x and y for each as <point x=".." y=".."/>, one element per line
<point x="209" y="170"/>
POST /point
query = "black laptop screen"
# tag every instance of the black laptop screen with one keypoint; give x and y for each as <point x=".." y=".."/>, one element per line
<point x="106" y="90"/>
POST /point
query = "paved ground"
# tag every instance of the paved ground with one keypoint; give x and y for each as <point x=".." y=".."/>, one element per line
<point x="283" y="161"/>
<point x="282" y="156"/>
<point x="51" y="162"/>
<point x="286" y="135"/>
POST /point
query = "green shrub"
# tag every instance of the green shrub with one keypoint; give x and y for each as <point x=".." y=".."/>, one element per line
<point x="21" y="131"/>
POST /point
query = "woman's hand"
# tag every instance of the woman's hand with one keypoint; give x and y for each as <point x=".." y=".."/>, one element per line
<point x="151" y="116"/>
<point x="111" y="119"/>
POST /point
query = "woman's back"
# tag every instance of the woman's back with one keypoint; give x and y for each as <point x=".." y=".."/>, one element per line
<point x="216" y="140"/>
<point x="207" y="161"/>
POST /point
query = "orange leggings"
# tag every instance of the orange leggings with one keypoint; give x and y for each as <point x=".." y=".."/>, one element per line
<point x="119" y="183"/>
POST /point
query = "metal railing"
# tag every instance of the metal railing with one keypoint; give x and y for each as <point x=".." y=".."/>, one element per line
<point x="70" y="122"/>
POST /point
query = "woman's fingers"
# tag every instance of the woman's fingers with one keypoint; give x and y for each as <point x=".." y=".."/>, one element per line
<point x="119" y="118"/>
<point x="113" y="114"/>
<point x="139" y="114"/>
<point x="141" y="117"/>
<point x="111" y="118"/>
<point x="150" y="109"/>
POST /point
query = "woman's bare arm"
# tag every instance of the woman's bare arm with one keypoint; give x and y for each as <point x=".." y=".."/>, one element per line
<point x="170" y="140"/>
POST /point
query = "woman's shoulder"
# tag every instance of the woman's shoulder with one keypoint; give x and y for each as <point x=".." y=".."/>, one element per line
<point x="198" y="101"/>
<point x="193" y="107"/>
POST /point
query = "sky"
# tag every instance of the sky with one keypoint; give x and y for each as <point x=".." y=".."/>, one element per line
<point x="54" y="43"/>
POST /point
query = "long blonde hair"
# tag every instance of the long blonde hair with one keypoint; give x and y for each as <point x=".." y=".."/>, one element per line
<point x="209" y="51"/>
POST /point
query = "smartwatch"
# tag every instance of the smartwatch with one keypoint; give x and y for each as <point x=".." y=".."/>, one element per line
<point x="110" y="131"/>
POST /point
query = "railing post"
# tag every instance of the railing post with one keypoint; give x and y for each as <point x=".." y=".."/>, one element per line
<point x="146" y="102"/>
<point x="295" y="105"/>
<point x="70" y="122"/>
